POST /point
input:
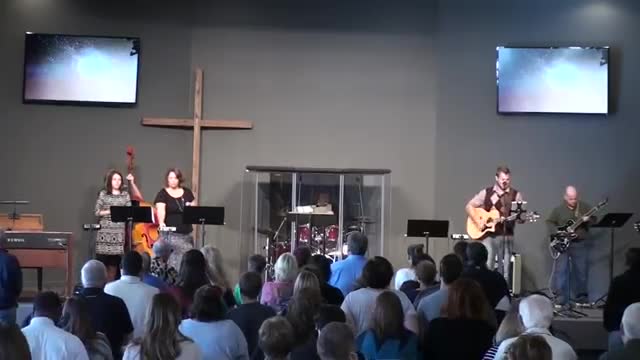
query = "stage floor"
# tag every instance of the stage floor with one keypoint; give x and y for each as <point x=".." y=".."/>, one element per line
<point x="584" y="333"/>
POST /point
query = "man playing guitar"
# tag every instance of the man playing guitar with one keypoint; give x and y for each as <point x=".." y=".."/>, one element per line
<point x="499" y="196"/>
<point x="572" y="209"/>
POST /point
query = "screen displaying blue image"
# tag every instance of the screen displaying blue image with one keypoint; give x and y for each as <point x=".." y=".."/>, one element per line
<point x="66" y="68"/>
<point x="553" y="80"/>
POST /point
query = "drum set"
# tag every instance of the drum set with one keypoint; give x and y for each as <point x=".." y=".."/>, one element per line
<point x="319" y="238"/>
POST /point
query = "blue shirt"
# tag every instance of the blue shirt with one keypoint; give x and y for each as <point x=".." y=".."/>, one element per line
<point x="430" y="307"/>
<point x="154" y="281"/>
<point x="218" y="340"/>
<point x="345" y="273"/>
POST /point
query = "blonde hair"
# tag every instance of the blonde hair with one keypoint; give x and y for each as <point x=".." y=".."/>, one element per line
<point x="306" y="280"/>
<point x="215" y="266"/>
<point x="286" y="268"/>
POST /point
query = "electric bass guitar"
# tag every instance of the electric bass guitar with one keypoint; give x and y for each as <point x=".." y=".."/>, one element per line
<point x="561" y="239"/>
<point x="636" y="226"/>
<point x="490" y="219"/>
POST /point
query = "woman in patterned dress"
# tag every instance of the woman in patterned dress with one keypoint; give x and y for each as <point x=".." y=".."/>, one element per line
<point x="110" y="238"/>
<point x="170" y="203"/>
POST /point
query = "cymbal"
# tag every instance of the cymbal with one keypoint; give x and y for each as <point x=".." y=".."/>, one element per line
<point x="266" y="231"/>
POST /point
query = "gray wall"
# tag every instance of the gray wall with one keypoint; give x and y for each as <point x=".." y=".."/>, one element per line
<point x="598" y="154"/>
<point x="56" y="156"/>
<point x="403" y="86"/>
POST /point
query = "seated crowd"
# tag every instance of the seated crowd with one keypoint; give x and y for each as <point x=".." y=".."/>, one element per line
<point x="348" y="310"/>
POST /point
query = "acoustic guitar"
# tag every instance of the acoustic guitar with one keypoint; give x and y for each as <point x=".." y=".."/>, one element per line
<point x="490" y="219"/>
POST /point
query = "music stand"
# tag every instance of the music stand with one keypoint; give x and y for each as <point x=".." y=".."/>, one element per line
<point x="612" y="221"/>
<point x="203" y="215"/>
<point x="427" y="229"/>
<point x="130" y="215"/>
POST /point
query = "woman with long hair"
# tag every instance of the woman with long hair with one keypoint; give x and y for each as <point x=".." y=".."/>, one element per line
<point x="277" y="293"/>
<point x="77" y="321"/>
<point x="387" y="338"/>
<point x="170" y="203"/>
<point x="217" y="274"/>
<point x="467" y="316"/>
<point x="306" y="280"/>
<point x="301" y="313"/>
<point x="375" y="278"/>
<point x="162" y="340"/>
<point x="218" y="337"/>
<point x="13" y="344"/>
<point x="192" y="275"/>
<point x="110" y="239"/>
<point x="510" y="327"/>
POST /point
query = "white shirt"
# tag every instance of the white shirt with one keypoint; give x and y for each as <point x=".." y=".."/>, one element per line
<point x="560" y="350"/>
<point x="137" y="296"/>
<point x="358" y="307"/>
<point x="188" y="351"/>
<point x="403" y="275"/>
<point x="47" y="341"/>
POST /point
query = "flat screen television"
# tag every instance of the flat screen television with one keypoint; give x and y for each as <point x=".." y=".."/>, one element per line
<point x="571" y="80"/>
<point x="73" y="69"/>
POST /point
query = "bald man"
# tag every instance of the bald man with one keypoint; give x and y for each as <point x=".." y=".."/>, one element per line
<point x="572" y="209"/>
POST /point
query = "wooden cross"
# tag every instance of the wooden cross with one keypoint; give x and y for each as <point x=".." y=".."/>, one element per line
<point x="197" y="124"/>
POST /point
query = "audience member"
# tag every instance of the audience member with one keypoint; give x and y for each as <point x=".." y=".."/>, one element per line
<point x="376" y="277"/>
<point x="387" y="338"/>
<point x="415" y="254"/>
<point x="510" y="327"/>
<point x="430" y="307"/>
<point x="529" y="347"/>
<point x="276" y="338"/>
<point x="251" y="314"/>
<point x="160" y="263"/>
<point x="217" y="337"/>
<point x="13" y="344"/>
<point x="630" y="328"/>
<point x="623" y="291"/>
<point x="10" y="284"/>
<point x="147" y="277"/>
<point x="193" y="275"/>
<point x="336" y="342"/>
<point x="46" y="340"/>
<point x="115" y="323"/>
<point x="306" y="280"/>
<point x="257" y="264"/>
<point x="328" y="313"/>
<point x="460" y="249"/>
<point x="536" y="312"/>
<point x="466" y="315"/>
<point x="278" y="292"/>
<point x="130" y="288"/>
<point x="425" y="285"/>
<point x="321" y="266"/>
<point x="345" y="273"/>
<point x="494" y="285"/>
<point x="301" y="313"/>
<point x="217" y="273"/>
<point x="76" y="321"/>
<point x="161" y="339"/>
<point x="302" y="255"/>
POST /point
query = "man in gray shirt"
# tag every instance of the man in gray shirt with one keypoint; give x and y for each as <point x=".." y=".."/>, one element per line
<point x="450" y="271"/>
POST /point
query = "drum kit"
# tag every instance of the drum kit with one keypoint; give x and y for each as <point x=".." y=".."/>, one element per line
<point x="320" y="239"/>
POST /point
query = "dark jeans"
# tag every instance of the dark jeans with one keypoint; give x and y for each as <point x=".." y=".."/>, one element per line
<point x="575" y="259"/>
